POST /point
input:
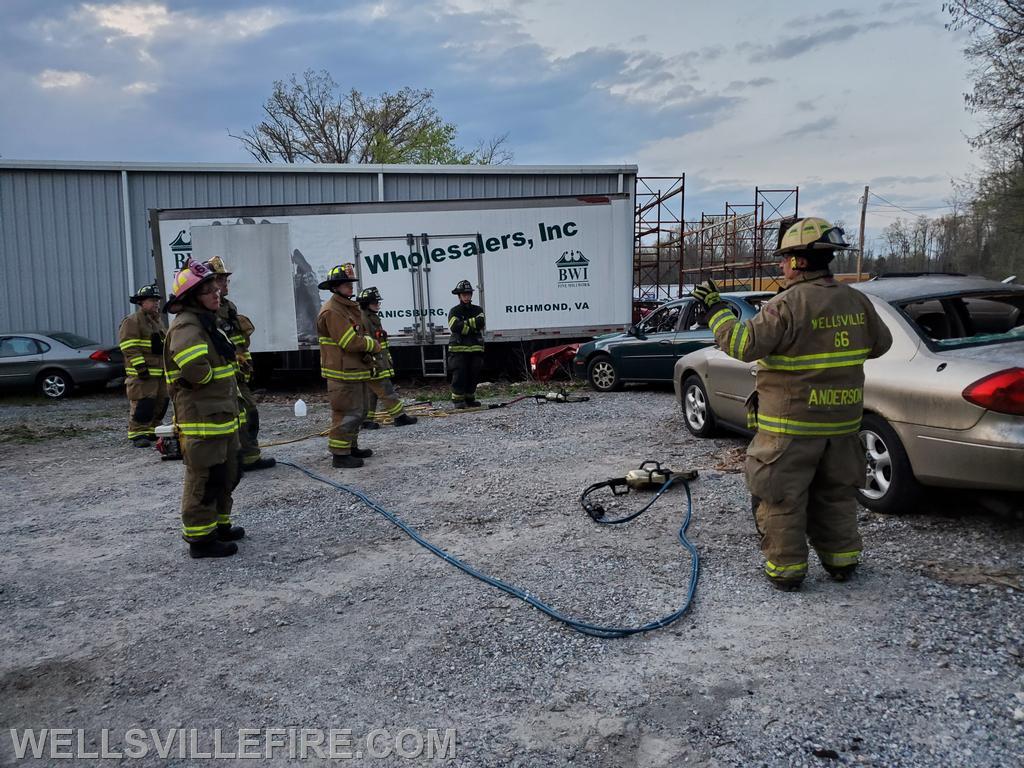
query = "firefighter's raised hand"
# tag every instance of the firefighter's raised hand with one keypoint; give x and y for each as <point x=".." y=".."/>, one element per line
<point x="707" y="293"/>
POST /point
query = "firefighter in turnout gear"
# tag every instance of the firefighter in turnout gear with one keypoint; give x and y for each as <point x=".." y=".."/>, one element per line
<point x="347" y="352"/>
<point x="466" y="347"/>
<point x="806" y="460"/>
<point x="141" y="339"/>
<point x="380" y="391"/>
<point x="239" y="329"/>
<point x="201" y="368"/>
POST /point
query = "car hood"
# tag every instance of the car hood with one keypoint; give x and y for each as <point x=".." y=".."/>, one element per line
<point x="1008" y="353"/>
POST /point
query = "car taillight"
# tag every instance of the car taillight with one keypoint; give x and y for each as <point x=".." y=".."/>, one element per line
<point x="100" y="356"/>
<point x="1002" y="392"/>
<point x="533" y="362"/>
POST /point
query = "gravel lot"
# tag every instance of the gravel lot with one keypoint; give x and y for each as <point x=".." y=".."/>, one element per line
<point x="331" y="618"/>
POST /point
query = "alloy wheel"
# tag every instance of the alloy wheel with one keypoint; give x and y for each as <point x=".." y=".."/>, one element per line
<point x="879" y="469"/>
<point x="696" y="408"/>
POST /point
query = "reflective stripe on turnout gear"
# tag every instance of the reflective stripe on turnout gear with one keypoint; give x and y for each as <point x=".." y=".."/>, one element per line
<point x="208" y="428"/>
<point x="189" y="354"/>
<point x="781" y="426"/>
<point x="197" y="531"/>
<point x="840" y="559"/>
<point x="798" y="570"/>
<point x="330" y="373"/>
<point x="465" y="348"/>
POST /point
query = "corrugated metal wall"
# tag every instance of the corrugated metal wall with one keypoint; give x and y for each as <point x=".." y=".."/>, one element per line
<point x="62" y="244"/>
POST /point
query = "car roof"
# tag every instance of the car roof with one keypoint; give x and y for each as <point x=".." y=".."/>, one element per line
<point x="894" y="289"/>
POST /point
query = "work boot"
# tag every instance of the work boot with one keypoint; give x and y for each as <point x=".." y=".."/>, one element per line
<point x="403" y="419"/>
<point x="260" y="463"/>
<point x="361" y="453"/>
<point x="370" y="425"/>
<point x="841" y="573"/>
<point x="461" y="404"/>
<point x="472" y="402"/>
<point x="228" y="532"/>
<point x="345" y="461"/>
<point x="211" y="546"/>
<point x="785" y="585"/>
<point x="142" y="441"/>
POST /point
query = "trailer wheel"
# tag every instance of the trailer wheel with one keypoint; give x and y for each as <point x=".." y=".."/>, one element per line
<point x="602" y="374"/>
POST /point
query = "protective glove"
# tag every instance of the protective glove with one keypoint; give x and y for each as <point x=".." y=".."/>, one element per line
<point x="707" y="293"/>
<point x="142" y="372"/>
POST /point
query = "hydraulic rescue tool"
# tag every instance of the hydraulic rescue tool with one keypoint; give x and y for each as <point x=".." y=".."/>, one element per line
<point x="644" y="478"/>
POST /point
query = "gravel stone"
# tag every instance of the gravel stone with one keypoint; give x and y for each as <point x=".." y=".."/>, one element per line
<point x="330" y="617"/>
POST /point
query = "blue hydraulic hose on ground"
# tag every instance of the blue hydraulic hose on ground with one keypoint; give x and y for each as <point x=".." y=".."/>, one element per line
<point x="580" y="626"/>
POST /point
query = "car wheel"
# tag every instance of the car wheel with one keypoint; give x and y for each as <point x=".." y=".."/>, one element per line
<point x="891" y="487"/>
<point x="54" y="384"/>
<point x="697" y="413"/>
<point x="602" y="374"/>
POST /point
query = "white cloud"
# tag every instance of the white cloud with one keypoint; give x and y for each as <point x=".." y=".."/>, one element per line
<point x="57" y="78"/>
<point x="140" y="88"/>
<point x="130" y="19"/>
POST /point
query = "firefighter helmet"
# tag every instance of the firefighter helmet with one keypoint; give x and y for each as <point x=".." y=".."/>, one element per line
<point x="464" y="286"/>
<point x="151" y="291"/>
<point x="811" y="234"/>
<point x="216" y="265"/>
<point x="368" y="296"/>
<point x="188" y="279"/>
<point x="343" y="273"/>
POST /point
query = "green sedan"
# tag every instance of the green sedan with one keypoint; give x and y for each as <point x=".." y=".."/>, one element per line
<point x="647" y="351"/>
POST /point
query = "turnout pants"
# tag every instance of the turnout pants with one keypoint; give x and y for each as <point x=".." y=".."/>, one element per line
<point x="807" y="490"/>
<point x="248" y="434"/>
<point x="147" y="405"/>
<point x="211" y="474"/>
<point x="382" y="400"/>
<point x="349" y="406"/>
<point x="466" y="367"/>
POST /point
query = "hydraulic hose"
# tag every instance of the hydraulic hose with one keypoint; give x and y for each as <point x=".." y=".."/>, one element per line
<point x="586" y="628"/>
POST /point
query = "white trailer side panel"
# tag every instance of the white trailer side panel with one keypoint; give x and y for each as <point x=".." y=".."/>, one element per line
<point x="540" y="265"/>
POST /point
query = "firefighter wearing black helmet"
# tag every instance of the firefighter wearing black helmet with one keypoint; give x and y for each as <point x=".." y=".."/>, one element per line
<point x="466" y="347"/>
<point x="141" y="338"/>
<point x="382" y="400"/>
<point x="806" y="460"/>
<point x="346" y="362"/>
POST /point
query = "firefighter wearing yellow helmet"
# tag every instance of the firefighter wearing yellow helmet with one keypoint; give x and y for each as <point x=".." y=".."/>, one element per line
<point x="141" y="339"/>
<point x="347" y="352"/>
<point x="239" y="329"/>
<point x="806" y="460"/>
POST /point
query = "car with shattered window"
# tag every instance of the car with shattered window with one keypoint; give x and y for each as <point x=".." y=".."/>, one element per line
<point x="944" y="407"/>
<point x="647" y="351"/>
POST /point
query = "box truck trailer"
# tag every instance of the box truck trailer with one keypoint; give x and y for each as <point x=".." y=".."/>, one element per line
<point x="544" y="268"/>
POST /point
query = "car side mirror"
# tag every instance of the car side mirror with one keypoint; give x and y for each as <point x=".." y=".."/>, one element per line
<point x="631" y="331"/>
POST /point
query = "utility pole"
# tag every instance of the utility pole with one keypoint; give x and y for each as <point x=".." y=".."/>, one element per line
<point x="863" y="214"/>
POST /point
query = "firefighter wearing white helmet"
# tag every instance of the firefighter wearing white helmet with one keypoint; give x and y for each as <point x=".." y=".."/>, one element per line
<point x="199" y="362"/>
<point x="805" y="461"/>
<point x="466" y="346"/>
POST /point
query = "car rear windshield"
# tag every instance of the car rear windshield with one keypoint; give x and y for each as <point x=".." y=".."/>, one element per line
<point x="973" y="320"/>
<point x="72" y="340"/>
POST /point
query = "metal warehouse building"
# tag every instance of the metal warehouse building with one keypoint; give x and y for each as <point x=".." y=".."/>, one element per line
<point x="75" y="240"/>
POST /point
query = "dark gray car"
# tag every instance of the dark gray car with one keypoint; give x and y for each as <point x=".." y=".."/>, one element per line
<point x="55" y="362"/>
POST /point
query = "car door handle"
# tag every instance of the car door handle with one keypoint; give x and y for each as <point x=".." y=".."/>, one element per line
<point x="665" y="341"/>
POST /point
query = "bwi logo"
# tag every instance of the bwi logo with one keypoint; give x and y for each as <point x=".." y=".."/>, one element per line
<point x="181" y="249"/>
<point x="572" y="269"/>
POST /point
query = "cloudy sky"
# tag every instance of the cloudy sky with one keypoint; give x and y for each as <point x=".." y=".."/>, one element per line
<point x="807" y="93"/>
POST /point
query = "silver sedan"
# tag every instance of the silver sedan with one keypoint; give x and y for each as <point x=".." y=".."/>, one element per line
<point x="943" y="407"/>
<point x="55" y="362"/>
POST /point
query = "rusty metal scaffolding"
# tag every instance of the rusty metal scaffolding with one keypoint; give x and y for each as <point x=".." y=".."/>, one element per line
<point x="735" y="247"/>
<point x="657" y="246"/>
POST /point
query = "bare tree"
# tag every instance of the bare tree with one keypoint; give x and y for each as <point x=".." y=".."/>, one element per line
<point x="996" y="49"/>
<point x="311" y="120"/>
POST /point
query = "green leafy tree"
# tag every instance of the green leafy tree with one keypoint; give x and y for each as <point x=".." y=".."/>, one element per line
<point x="312" y="120"/>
